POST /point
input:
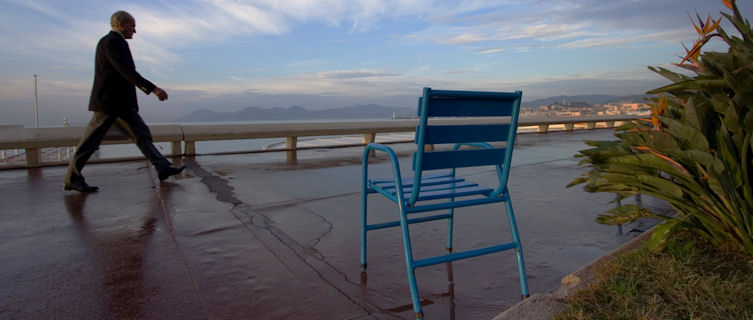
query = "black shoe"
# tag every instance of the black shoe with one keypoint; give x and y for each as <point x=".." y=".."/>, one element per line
<point x="80" y="187"/>
<point x="170" y="171"/>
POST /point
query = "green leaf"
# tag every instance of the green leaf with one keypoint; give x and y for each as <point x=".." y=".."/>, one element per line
<point x="672" y="76"/>
<point x="732" y="119"/>
<point x="663" y="185"/>
<point x="624" y="214"/>
<point x="691" y="117"/>
<point x="691" y="84"/>
<point x="694" y="138"/>
<point x="692" y="156"/>
<point x="577" y="181"/>
<point x="659" y="238"/>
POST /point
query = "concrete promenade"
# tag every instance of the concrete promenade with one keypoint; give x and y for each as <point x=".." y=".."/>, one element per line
<point x="250" y="237"/>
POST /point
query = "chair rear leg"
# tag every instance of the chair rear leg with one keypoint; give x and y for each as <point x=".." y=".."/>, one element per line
<point x="364" y="194"/>
<point x="518" y="250"/>
<point x="450" y="222"/>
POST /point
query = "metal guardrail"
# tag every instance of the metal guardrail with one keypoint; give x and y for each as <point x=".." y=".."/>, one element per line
<point x="183" y="138"/>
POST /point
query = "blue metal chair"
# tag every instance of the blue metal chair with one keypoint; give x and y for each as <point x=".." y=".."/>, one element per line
<point x="432" y="192"/>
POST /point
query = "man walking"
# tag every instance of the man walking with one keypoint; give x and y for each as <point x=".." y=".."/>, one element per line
<point x="113" y="101"/>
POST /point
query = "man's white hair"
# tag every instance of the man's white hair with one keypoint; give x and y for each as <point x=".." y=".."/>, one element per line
<point x="119" y="17"/>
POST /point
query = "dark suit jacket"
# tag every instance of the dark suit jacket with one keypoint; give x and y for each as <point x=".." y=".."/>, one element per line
<point x="115" y="77"/>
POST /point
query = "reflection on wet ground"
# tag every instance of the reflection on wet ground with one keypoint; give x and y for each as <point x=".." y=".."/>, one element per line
<point x="234" y="237"/>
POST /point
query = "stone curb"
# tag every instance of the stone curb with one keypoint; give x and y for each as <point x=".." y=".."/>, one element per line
<point x="543" y="306"/>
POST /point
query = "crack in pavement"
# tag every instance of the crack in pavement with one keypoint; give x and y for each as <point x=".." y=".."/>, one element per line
<point x="255" y="221"/>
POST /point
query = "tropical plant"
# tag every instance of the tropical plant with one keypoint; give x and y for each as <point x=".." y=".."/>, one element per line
<point x="695" y="151"/>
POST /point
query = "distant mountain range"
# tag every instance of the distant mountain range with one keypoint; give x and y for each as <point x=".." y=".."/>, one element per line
<point x="369" y="111"/>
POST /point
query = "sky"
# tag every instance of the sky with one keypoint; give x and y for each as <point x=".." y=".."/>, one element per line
<point x="225" y="55"/>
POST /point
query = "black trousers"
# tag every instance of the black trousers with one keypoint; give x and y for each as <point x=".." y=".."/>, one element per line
<point x="131" y="123"/>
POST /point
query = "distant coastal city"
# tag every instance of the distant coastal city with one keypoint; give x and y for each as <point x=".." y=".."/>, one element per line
<point x="578" y="106"/>
<point x="578" y="109"/>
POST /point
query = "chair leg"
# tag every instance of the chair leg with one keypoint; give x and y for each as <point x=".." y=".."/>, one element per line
<point x="450" y="221"/>
<point x="518" y="250"/>
<point x="363" y="229"/>
<point x="410" y="269"/>
<point x="417" y="311"/>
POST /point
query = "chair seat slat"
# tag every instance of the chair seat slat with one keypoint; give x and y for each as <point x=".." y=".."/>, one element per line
<point x="445" y="194"/>
<point x="424" y="182"/>
<point x="443" y="190"/>
<point x="444" y="186"/>
<point x="426" y="176"/>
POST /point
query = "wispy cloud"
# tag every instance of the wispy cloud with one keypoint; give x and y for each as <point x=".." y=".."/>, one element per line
<point x="672" y="36"/>
<point x="335" y="82"/>
<point x="490" y="50"/>
<point x="353" y="74"/>
<point x="464" y="38"/>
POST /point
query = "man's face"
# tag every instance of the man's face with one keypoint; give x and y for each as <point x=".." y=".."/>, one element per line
<point x="128" y="28"/>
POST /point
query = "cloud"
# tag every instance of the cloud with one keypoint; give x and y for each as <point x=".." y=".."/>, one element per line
<point x="460" y="71"/>
<point x="490" y="50"/>
<point x="309" y="63"/>
<point x="464" y="39"/>
<point x="671" y="36"/>
<point x="353" y="74"/>
<point x="335" y="82"/>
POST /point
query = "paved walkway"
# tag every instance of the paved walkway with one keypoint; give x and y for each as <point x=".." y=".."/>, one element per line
<point x="247" y="237"/>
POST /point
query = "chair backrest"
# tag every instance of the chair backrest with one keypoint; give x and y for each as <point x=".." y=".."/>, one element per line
<point x="437" y="104"/>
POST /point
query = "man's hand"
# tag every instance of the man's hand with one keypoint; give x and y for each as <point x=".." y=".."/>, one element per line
<point x="161" y="94"/>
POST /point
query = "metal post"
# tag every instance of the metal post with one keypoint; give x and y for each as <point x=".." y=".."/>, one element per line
<point x="619" y="226"/>
<point x="67" y="149"/>
<point x="36" y="104"/>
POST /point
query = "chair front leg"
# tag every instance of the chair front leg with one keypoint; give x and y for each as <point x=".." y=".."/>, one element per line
<point x="366" y="189"/>
<point x="409" y="264"/>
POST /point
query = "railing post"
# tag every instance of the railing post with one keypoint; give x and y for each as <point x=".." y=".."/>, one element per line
<point x="591" y="125"/>
<point x="369" y="138"/>
<point x="569" y="126"/>
<point x="543" y="128"/>
<point x="175" y="148"/>
<point x="610" y="124"/>
<point x="290" y="145"/>
<point x="33" y="157"/>
<point x="190" y="148"/>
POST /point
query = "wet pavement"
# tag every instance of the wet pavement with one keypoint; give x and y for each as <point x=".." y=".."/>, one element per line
<point x="250" y="237"/>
